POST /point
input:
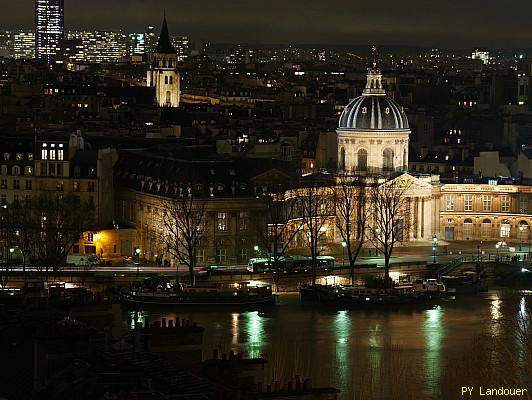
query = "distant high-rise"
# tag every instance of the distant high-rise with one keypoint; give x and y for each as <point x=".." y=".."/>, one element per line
<point x="101" y="46"/>
<point x="150" y="41"/>
<point x="24" y="44"/>
<point x="49" y="28"/>
<point x="182" y="47"/>
<point x="137" y="44"/>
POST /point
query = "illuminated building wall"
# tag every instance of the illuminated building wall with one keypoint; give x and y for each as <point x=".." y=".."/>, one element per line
<point x="101" y="46"/>
<point x="49" y="28"/>
<point x="182" y="47"/>
<point x="24" y="44"/>
<point x="137" y="44"/>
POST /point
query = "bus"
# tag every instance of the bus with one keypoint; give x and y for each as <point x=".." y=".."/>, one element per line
<point x="290" y="264"/>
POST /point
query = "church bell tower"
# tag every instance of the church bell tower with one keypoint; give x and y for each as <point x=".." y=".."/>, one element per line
<point x="162" y="73"/>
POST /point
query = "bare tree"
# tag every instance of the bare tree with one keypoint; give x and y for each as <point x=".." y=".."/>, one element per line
<point x="184" y="219"/>
<point x="63" y="220"/>
<point x="388" y="215"/>
<point x="275" y="234"/>
<point x="45" y="229"/>
<point x="316" y="210"/>
<point x="349" y="198"/>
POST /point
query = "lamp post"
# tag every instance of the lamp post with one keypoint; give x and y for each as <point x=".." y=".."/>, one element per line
<point x="344" y="245"/>
<point x="434" y="244"/>
<point x="137" y="255"/>
<point x="478" y="253"/>
<point x="378" y="232"/>
<point x="497" y="247"/>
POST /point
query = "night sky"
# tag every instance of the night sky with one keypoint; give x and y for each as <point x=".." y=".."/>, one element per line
<point x="443" y="23"/>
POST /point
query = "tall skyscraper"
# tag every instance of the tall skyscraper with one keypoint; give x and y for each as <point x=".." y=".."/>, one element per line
<point x="49" y="28"/>
<point x="150" y="41"/>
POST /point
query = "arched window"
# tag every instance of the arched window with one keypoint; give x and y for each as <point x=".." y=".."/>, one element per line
<point x="387" y="160"/>
<point x="405" y="160"/>
<point x="342" y="159"/>
<point x="16" y="170"/>
<point x="485" y="229"/>
<point x="468" y="228"/>
<point x="505" y="228"/>
<point x="166" y="80"/>
<point x="171" y="80"/>
<point x="362" y="160"/>
<point x="170" y="63"/>
<point x="168" y="98"/>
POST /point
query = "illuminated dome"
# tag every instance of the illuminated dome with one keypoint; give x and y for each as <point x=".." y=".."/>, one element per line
<point x="373" y="110"/>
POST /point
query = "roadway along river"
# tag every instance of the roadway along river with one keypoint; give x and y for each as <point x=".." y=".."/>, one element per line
<point x="415" y="353"/>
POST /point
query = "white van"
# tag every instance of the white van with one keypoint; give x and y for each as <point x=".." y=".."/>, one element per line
<point x="83" y="260"/>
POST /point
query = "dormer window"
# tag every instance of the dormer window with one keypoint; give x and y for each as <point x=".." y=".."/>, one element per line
<point x="387" y="110"/>
<point x="364" y="110"/>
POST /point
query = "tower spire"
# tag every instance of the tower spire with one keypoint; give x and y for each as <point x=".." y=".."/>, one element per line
<point x="374" y="78"/>
<point x="164" y="45"/>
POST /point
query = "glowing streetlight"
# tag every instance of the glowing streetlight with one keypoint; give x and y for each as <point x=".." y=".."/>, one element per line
<point x="344" y="245"/>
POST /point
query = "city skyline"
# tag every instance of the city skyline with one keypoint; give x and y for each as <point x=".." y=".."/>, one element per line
<point x="407" y="23"/>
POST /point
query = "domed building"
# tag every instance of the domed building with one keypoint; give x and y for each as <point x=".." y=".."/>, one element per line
<point x="372" y="133"/>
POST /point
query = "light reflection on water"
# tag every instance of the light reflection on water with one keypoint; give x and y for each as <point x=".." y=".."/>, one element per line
<point x="434" y="331"/>
<point x="368" y="354"/>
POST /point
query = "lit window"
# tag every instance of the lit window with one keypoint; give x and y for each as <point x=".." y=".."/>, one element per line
<point x="222" y="221"/>
<point x="44" y="154"/>
<point x="468" y="202"/>
<point x="486" y="202"/>
<point x="60" y="155"/>
<point x="52" y="154"/>
<point x="505" y="203"/>
<point x="449" y="203"/>
<point x="221" y="255"/>
<point x="243" y="221"/>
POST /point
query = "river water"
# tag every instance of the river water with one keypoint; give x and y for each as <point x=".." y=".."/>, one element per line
<point x="403" y="353"/>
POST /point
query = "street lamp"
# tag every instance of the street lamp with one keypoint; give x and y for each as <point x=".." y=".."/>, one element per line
<point x="478" y="253"/>
<point x="378" y="232"/>
<point x="344" y="245"/>
<point x="137" y="255"/>
<point x="497" y="247"/>
<point x="434" y="244"/>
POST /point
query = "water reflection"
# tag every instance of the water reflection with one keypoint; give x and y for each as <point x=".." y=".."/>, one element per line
<point x="367" y="354"/>
<point x="136" y="318"/>
<point x="254" y="328"/>
<point x="495" y="312"/>
<point x="434" y="332"/>
<point x="235" y="329"/>
<point x="342" y="331"/>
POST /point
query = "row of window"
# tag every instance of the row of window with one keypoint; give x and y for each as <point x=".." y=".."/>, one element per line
<point x="222" y="219"/>
<point x="221" y="256"/>
<point x="52" y="154"/>
<point x="18" y="156"/>
<point x="16" y="170"/>
<point x="27" y="198"/>
<point x="16" y="184"/>
<point x="76" y="187"/>
<point x="486" y="203"/>
<point x="486" y="229"/>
